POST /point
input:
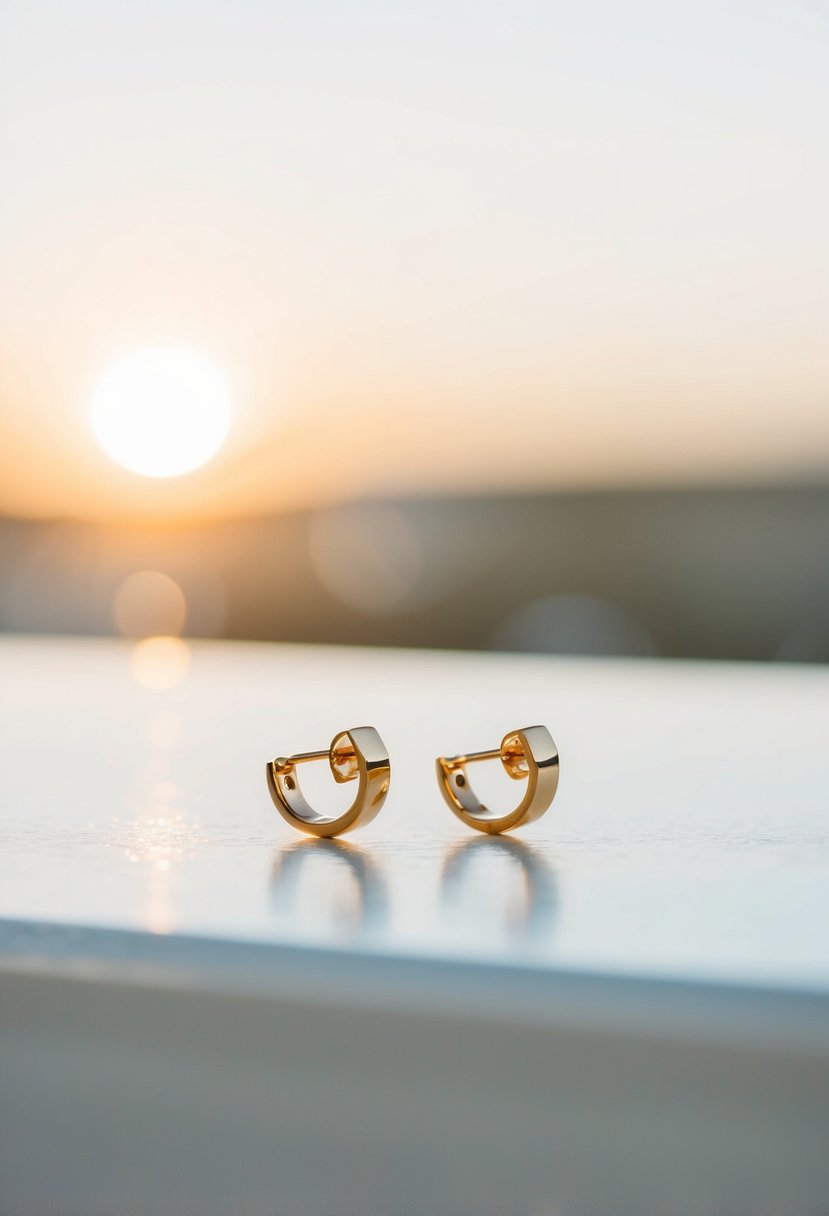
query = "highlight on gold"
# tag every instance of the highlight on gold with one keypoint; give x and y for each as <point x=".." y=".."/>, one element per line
<point x="161" y="411"/>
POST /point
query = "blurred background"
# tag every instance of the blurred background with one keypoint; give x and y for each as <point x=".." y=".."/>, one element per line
<point x="447" y="325"/>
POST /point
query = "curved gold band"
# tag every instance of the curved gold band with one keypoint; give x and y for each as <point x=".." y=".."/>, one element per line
<point x="358" y="754"/>
<point x="527" y="755"/>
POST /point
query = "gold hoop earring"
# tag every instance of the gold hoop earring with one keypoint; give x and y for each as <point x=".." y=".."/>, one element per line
<point x="356" y="754"/>
<point x="527" y="755"/>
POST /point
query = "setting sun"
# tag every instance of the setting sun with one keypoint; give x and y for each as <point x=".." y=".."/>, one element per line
<point x="161" y="411"/>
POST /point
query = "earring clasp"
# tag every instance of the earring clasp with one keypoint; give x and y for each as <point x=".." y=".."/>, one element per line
<point x="359" y="755"/>
<point x="527" y="755"/>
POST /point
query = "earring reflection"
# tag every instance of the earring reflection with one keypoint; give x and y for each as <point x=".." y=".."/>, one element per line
<point x="538" y="897"/>
<point x="302" y="886"/>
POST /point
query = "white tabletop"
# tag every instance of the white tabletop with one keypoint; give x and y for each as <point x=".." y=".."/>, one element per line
<point x="625" y="1007"/>
<point x="688" y="838"/>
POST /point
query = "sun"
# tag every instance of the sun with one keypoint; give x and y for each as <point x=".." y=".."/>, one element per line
<point x="161" y="411"/>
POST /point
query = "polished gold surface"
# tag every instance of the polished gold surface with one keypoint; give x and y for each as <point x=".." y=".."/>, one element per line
<point x="358" y="754"/>
<point x="527" y="755"/>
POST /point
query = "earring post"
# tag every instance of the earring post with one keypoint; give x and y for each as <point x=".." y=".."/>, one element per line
<point x="283" y="763"/>
<point x="286" y="762"/>
<point x="473" y="758"/>
<point x="306" y="757"/>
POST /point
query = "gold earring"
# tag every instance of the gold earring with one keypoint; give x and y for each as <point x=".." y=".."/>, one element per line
<point x="356" y="754"/>
<point x="528" y="755"/>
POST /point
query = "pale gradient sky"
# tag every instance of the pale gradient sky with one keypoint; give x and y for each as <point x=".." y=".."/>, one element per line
<point x="430" y="246"/>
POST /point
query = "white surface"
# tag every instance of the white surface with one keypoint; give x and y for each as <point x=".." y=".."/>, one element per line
<point x="625" y="1008"/>
<point x="688" y="838"/>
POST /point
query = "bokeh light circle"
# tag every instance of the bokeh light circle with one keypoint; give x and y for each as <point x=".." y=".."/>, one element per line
<point x="161" y="411"/>
<point x="149" y="602"/>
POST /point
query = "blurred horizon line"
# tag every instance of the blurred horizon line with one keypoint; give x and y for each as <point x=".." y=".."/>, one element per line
<point x="725" y="572"/>
<point x="162" y="518"/>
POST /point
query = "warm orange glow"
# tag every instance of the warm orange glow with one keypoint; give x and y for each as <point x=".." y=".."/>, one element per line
<point x="637" y="297"/>
<point x="161" y="412"/>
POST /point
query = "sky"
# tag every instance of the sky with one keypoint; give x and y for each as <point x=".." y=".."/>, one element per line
<point x="429" y="247"/>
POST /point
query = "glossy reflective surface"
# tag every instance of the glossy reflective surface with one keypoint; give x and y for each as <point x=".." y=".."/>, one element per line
<point x="689" y="836"/>
<point x="357" y="755"/>
<point x="528" y="755"/>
